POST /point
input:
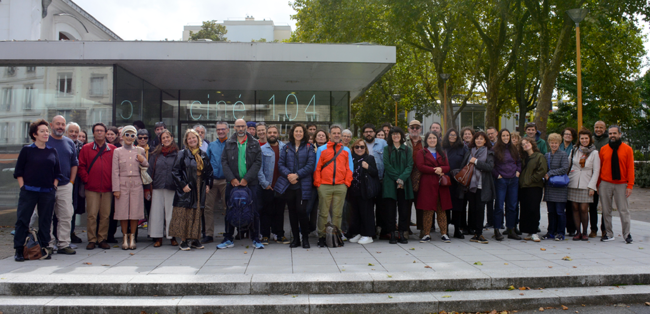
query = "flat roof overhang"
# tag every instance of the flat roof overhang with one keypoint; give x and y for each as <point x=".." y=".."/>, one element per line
<point x="220" y="65"/>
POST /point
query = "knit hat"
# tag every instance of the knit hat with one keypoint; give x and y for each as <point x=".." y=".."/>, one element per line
<point x="251" y="124"/>
<point x="129" y="128"/>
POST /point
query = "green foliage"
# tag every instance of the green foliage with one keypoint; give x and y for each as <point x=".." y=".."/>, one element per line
<point x="642" y="174"/>
<point x="210" y="30"/>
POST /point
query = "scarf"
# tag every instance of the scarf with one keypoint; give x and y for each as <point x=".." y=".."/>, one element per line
<point x="197" y="156"/>
<point x="586" y="151"/>
<point x="616" y="167"/>
<point x="146" y="151"/>
<point x="356" y="181"/>
<point x="481" y="155"/>
<point x="166" y="150"/>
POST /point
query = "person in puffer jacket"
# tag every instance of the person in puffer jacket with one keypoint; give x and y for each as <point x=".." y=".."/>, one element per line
<point x="332" y="177"/>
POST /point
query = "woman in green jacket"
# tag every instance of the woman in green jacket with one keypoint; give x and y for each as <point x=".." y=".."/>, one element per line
<point x="397" y="188"/>
<point x="531" y="184"/>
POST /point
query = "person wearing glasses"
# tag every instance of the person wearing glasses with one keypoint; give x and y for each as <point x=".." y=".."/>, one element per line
<point x="362" y="221"/>
<point x="414" y="142"/>
<point x="127" y="185"/>
<point x="397" y="188"/>
<point x="215" y="199"/>
<point x="143" y="142"/>
<point x="376" y="147"/>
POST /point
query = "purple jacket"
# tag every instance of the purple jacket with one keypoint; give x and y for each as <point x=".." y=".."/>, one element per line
<point x="506" y="168"/>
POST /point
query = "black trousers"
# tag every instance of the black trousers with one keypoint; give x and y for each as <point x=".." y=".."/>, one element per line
<point x="593" y="215"/>
<point x="476" y="212"/>
<point x="393" y="208"/>
<point x="530" y="200"/>
<point x="44" y="204"/>
<point x="362" y="220"/>
<point x="271" y="213"/>
<point x="312" y="209"/>
<point x="490" y="213"/>
<point x="297" y="213"/>
<point x="380" y="206"/>
<point x="458" y="213"/>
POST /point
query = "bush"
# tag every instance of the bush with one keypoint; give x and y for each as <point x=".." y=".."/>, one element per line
<point x="638" y="155"/>
<point x="642" y="174"/>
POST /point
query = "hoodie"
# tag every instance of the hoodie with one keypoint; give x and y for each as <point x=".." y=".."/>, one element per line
<point x="541" y="144"/>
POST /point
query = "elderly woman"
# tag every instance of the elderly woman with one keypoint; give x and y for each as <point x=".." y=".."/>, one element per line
<point x="161" y="163"/>
<point x="192" y="174"/>
<point x="127" y="186"/>
<point x="556" y="197"/>
<point x="569" y="136"/>
<point x="583" y="179"/>
<point x="346" y="137"/>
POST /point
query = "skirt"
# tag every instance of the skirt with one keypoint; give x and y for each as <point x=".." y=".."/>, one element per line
<point x="580" y="196"/>
<point x="186" y="222"/>
<point x="130" y="205"/>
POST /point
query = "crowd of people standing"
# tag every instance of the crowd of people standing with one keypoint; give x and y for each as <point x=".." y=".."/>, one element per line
<point x="365" y="187"/>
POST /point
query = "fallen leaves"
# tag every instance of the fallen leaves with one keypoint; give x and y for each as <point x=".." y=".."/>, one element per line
<point x="390" y="297"/>
<point x="427" y="266"/>
<point x="575" y="266"/>
<point x="511" y="288"/>
<point x="521" y="294"/>
<point x="414" y="262"/>
<point x="524" y="288"/>
<point x="245" y="252"/>
<point x="478" y="263"/>
<point x="370" y="264"/>
<point x="129" y="253"/>
<point x="412" y="249"/>
<point x="505" y="263"/>
<point x="389" y="276"/>
<point x="105" y="265"/>
<point x="542" y="249"/>
<point x="567" y="258"/>
<point x="446" y="296"/>
<point x="541" y="309"/>
<point x="88" y="263"/>
<point x="564" y="307"/>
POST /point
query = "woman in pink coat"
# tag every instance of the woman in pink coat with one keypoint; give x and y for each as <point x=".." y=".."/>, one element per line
<point x="432" y="163"/>
<point x="127" y="186"/>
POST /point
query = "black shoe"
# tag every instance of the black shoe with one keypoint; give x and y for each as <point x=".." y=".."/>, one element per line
<point x="321" y="242"/>
<point x="393" y="237"/>
<point x="458" y="234"/>
<point x="629" y="240"/>
<point x="474" y="239"/>
<point x="111" y="240"/>
<point x="481" y="239"/>
<point x="497" y="235"/>
<point x="305" y="241"/>
<point x="75" y="239"/>
<point x="404" y="239"/>
<point x="512" y="234"/>
<point x="196" y="244"/>
<point x="19" y="255"/>
<point x="295" y="242"/>
<point x="517" y="231"/>
<point x="207" y="239"/>
<point x="466" y="231"/>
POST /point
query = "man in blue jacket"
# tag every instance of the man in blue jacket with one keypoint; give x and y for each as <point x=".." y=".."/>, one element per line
<point x="271" y="208"/>
<point x="217" y="194"/>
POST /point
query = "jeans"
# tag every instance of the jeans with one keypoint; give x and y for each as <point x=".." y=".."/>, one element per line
<point x="255" y="226"/>
<point x="556" y="218"/>
<point x="271" y="211"/>
<point x="27" y="200"/>
<point x="507" y="192"/>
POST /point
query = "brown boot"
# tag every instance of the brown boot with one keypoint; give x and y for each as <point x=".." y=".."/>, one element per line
<point x="158" y="242"/>
<point x="132" y="245"/>
<point x="174" y="242"/>
<point x="125" y="242"/>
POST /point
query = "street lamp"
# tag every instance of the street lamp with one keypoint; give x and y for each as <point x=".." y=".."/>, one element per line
<point x="577" y="15"/>
<point x="444" y="77"/>
<point x="396" y="98"/>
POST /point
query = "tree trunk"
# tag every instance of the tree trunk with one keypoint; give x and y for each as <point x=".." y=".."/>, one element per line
<point x="492" y="116"/>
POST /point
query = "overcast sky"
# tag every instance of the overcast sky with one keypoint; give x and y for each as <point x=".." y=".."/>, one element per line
<point x="160" y="19"/>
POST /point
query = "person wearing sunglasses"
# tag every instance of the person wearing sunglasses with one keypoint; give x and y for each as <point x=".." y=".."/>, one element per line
<point x="143" y="142"/>
<point x="127" y="185"/>
<point x="362" y="219"/>
<point x="414" y="142"/>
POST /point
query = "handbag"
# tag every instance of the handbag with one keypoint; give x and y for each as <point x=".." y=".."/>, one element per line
<point x="464" y="176"/>
<point x="561" y="181"/>
<point x="32" y="249"/>
<point x="144" y="175"/>
<point x="372" y="186"/>
<point x="444" y="180"/>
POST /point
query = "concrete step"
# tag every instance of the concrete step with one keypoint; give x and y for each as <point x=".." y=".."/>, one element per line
<point x="269" y="284"/>
<point x="419" y="302"/>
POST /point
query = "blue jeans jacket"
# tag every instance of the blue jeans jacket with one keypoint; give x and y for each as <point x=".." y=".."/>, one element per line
<point x="265" y="176"/>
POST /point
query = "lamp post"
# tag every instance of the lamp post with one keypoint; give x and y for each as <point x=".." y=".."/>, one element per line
<point x="444" y="77"/>
<point x="396" y="98"/>
<point x="577" y="15"/>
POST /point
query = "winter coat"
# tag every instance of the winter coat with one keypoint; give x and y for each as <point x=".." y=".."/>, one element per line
<point x="456" y="155"/>
<point x="265" y="176"/>
<point x="100" y="178"/>
<point x="160" y="171"/>
<point x="587" y="177"/>
<point x="358" y="186"/>
<point x="430" y="192"/>
<point x="559" y="166"/>
<point x="533" y="171"/>
<point x="300" y="163"/>
<point x="230" y="159"/>
<point x="600" y="141"/>
<point x="488" y="192"/>
<point x="184" y="173"/>
<point x="339" y="171"/>
<point x="398" y="164"/>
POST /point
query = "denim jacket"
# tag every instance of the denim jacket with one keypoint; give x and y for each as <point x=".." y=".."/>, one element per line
<point x="378" y="152"/>
<point x="265" y="176"/>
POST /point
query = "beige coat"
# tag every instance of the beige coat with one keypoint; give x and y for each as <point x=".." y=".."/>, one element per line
<point x="587" y="177"/>
<point x="127" y="181"/>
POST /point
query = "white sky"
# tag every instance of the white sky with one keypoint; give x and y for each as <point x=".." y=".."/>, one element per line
<point x="160" y="19"/>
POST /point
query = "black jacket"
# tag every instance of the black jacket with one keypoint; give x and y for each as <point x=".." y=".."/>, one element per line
<point x="184" y="173"/>
<point x="357" y="176"/>
<point x="160" y="170"/>
<point x="229" y="159"/>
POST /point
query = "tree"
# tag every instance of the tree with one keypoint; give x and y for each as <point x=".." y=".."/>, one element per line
<point x="210" y="30"/>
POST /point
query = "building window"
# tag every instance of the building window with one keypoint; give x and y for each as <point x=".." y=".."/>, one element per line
<point x="64" y="85"/>
<point x="7" y="98"/>
<point x="98" y="85"/>
<point x="30" y="69"/>
<point x="11" y="71"/>
<point x="29" y="97"/>
<point x="26" y="138"/>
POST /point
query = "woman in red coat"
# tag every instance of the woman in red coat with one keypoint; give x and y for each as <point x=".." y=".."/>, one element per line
<point x="432" y="163"/>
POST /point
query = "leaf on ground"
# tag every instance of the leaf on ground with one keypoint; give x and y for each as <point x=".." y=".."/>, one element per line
<point x="567" y="258"/>
<point x="379" y="252"/>
<point x="521" y="294"/>
<point x="505" y="263"/>
<point x="446" y="296"/>
<point x="550" y="267"/>
<point x="389" y="276"/>
<point x="542" y="249"/>
<point x="105" y="265"/>
<point x="640" y="248"/>
<point x="412" y="249"/>
<point x="541" y="309"/>
<point x="245" y="252"/>
<point x="247" y="246"/>
<point x="575" y="266"/>
<point x="564" y="307"/>
<point x="115" y="246"/>
<point x="390" y="297"/>
<point x="88" y="263"/>
<point x="511" y="288"/>
<point x="414" y="262"/>
<point x="478" y="263"/>
<point x="129" y="253"/>
<point x="369" y="264"/>
<point x="493" y="312"/>
<point x="427" y="266"/>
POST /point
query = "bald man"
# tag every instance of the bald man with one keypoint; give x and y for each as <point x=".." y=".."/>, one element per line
<point x="601" y="138"/>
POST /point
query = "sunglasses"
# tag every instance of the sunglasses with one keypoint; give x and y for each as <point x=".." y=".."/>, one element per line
<point x="130" y="135"/>
<point x="414" y="127"/>
<point x="143" y="137"/>
<point x="359" y="147"/>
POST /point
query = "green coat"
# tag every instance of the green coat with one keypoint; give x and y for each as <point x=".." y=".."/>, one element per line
<point x="398" y="163"/>
<point x="533" y="171"/>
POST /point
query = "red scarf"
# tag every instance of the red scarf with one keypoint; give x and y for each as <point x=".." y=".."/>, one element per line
<point x="167" y="149"/>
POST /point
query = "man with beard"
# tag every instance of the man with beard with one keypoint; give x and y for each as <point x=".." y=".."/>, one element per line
<point x="376" y="149"/>
<point x="271" y="208"/>
<point x="601" y="138"/>
<point x="63" y="208"/>
<point x="311" y="130"/>
<point x="436" y="128"/>
<point x="616" y="181"/>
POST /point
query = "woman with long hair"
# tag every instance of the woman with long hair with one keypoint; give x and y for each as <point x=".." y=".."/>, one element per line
<point x="432" y="197"/>
<point x="397" y="187"/>
<point x="583" y="180"/>
<point x="296" y="165"/>
<point x="507" y="168"/>
<point x="456" y="152"/>
<point x="362" y="220"/>
<point x="192" y="174"/>
<point x="531" y="187"/>
<point x="467" y="134"/>
<point x="83" y="136"/>
<point x="481" y="187"/>
<point x="161" y="164"/>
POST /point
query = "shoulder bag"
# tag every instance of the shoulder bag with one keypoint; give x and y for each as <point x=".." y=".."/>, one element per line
<point x="561" y="181"/>
<point x="464" y="176"/>
<point x="144" y="175"/>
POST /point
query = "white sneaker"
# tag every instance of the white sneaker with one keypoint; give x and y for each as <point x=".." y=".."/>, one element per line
<point x="365" y="240"/>
<point x="535" y="237"/>
<point x="528" y="237"/>
<point x="355" y="239"/>
<point x="343" y="237"/>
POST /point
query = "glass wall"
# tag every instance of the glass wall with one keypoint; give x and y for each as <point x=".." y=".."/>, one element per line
<point x="81" y="94"/>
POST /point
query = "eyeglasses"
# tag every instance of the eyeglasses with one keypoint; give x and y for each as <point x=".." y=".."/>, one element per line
<point x="130" y="135"/>
<point x="368" y="132"/>
<point x="415" y="127"/>
<point x="143" y="137"/>
<point x="222" y="129"/>
<point x="359" y="147"/>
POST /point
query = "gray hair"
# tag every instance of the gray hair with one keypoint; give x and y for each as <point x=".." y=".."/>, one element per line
<point x="346" y="131"/>
<point x="199" y="126"/>
<point x="72" y="124"/>
<point x="615" y="126"/>
<point x="222" y="122"/>
<point x="335" y="126"/>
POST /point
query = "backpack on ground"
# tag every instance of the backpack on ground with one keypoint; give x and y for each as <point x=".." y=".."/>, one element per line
<point x="240" y="207"/>
<point x="32" y="250"/>
<point x="333" y="236"/>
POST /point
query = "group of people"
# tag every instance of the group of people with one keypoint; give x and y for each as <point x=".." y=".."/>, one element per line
<point x="325" y="178"/>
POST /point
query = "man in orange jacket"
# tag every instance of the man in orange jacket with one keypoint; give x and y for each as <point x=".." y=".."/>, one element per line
<point x="332" y="177"/>
<point x="616" y="181"/>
